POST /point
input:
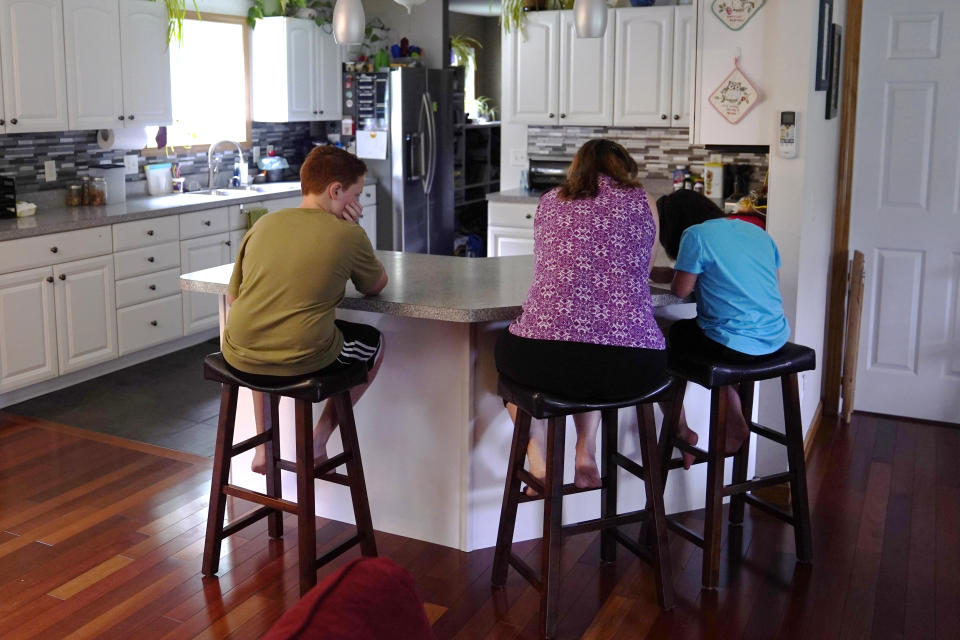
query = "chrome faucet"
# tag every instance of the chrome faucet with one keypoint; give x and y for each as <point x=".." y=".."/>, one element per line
<point x="210" y="170"/>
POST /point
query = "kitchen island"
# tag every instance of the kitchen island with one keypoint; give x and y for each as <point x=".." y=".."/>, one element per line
<point x="435" y="436"/>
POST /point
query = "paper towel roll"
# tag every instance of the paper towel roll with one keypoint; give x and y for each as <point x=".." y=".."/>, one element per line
<point x="131" y="138"/>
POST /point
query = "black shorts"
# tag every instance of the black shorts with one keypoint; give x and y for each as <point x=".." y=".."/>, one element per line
<point x="361" y="343"/>
<point x="686" y="336"/>
<point x="580" y="370"/>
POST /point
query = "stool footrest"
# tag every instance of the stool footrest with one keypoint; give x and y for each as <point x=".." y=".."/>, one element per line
<point x="336" y="551"/>
<point x="769" y="508"/>
<point x="568" y="490"/>
<point x="318" y="471"/>
<point x="259" y="498"/>
<point x="610" y="522"/>
<point x="641" y="552"/>
<point x="531" y="482"/>
<point x="758" y="483"/>
<point x="524" y="570"/>
<point x="700" y="455"/>
<point x="630" y="465"/>
<point x="329" y="465"/>
<point x="684" y="532"/>
<point x="768" y="433"/>
<point x="247" y="520"/>
<point x="250" y="443"/>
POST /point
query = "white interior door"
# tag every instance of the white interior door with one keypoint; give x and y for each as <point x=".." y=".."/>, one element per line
<point x="91" y="30"/>
<point x="906" y="209"/>
<point x="586" y="76"/>
<point x="644" y="55"/>
<point x="146" y="63"/>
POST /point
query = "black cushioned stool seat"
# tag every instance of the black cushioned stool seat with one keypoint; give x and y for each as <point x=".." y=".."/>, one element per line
<point x="533" y="403"/>
<point x="716" y="375"/>
<point x="304" y="392"/>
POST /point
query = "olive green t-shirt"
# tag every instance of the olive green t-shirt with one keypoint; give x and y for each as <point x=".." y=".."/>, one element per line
<point x="289" y="277"/>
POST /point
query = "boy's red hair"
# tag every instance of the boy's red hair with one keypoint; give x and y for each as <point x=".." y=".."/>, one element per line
<point x="326" y="165"/>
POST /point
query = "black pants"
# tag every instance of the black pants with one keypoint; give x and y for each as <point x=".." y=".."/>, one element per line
<point x="686" y="336"/>
<point x="580" y="370"/>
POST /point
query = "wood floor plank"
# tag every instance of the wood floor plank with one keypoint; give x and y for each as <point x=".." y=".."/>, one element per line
<point x="920" y="605"/>
<point x="90" y="577"/>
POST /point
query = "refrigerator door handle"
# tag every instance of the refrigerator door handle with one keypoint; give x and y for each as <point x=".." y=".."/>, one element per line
<point x="424" y="124"/>
<point x="414" y="163"/>
<point x="431" y="169"/>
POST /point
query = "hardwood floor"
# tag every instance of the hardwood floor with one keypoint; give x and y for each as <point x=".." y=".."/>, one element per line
<point x="101" y="537"/>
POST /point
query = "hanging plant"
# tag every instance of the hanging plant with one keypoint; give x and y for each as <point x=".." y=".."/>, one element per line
<point x="464" y="50"/>
<point x="512" y="12"/>
<point x="320" y="11"/>
<point x="177" y="12"/>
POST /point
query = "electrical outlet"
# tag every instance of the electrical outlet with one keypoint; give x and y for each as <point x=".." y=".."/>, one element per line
<point x="519" y="156"/>
<point x="130" y="163"/>
<point x="50" y="170"/>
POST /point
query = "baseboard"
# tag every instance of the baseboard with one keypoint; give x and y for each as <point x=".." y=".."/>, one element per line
<point x="779" y="494"/>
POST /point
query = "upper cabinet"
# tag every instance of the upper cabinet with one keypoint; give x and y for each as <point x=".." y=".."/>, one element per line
<point x="32" y="62"/>
<point x="296" y="72"/>
<point x="145" y="56"/>
<point x="639" y="74"/>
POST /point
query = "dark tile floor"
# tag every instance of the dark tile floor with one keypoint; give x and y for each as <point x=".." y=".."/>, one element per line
<point x="164" y="401"/>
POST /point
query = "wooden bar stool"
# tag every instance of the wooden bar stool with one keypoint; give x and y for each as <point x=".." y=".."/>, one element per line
<point x="784" y="364"/>
<point x="305" y="392"/>
<point x="532" y="403"/>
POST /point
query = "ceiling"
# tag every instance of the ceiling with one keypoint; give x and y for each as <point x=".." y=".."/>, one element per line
<point x="476" y="7"/>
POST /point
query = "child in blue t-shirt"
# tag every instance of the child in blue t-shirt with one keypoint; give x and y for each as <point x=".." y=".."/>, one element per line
<point x="731" y="267"/>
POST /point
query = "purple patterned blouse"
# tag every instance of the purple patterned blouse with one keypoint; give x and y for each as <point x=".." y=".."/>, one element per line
<point x="590" y="283"/>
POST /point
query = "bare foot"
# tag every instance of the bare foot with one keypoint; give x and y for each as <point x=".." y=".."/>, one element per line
<point x="586" y="475"/>
<point x="735" y="440"/>
<point x="692" y="439"/>
<point x="259" y="464"/>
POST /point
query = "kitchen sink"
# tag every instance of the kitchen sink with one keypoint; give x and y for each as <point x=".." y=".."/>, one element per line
<point x="232" y="191"/>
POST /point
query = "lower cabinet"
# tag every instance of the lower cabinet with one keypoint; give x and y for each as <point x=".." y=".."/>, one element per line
<point x="28" y="328"/>
<point x="149" y="323"/>
<point x="509" y="241"/>
<point x="86" y="313"/>
<point x="201" y="310"/>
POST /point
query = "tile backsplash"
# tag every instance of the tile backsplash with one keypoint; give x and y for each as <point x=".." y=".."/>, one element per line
<point x="22" y="155"/>
<point x="658" y="151"/>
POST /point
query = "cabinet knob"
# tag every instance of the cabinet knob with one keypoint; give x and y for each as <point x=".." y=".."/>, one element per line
<point x="2" y="122"/>
<point x="49" y="278"/>
<point x="153" y="287"/>
<point x="563" y="115"/>
<point x="63" y="276"/>
<point x="149" y="232"/>
<point x="228" y="243"/>
<point x="207" y="223"/>
<point x="54" y="249"/>
<point x="150" y="259"/>
<point x="13" y="121"/>
<point x="153" y="323"/>
<point x="676" y="116"/>
<point x="529" y="215"/>
<point x="550" y="115"/>
<point x="663" y="116"/>
<point x="120" y="117"/>
<point x="321" y="111"/>
<point x="130" y="117"/>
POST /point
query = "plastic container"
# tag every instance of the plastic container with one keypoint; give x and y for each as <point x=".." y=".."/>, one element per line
<point x="159" y="179"/>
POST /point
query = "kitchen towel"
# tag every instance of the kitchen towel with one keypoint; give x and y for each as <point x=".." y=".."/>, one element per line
<point x="128" y="139"/>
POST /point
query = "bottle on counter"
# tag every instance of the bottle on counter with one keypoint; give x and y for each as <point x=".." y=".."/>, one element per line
<point x="687" y="180"/>
<point x="678" y="174"/>
<point x="698" y="184"/>
<point x="85" y="190"/>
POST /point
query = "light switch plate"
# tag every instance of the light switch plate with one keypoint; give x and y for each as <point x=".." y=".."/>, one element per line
<point x="130" y="163"/>
<point x="50" y="170"/>
<point x="519" y="157"/>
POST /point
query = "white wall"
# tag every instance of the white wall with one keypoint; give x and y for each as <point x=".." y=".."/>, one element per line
<point x="424" y="26"/>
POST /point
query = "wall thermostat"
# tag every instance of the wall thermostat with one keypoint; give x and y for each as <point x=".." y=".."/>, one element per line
<point x="787" y="137"/>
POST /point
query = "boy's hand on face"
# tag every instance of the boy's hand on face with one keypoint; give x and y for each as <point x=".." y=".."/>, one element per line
<point x="352" y="212"/>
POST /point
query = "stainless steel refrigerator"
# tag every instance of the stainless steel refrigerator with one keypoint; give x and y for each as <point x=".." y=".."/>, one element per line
<point x="419" y="113"/>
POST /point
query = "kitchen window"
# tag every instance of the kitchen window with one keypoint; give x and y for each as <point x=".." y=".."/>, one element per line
<point x="208" y="77"/>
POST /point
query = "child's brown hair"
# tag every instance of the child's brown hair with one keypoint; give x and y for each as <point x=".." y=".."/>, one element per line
<point x="326" y="165"/>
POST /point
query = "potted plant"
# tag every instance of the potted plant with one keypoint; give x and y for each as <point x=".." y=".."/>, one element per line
<point x="176" y="12"/>
<point x="463" y="50"/>
<point x="320" y="11"/>
<point x="485" y="112"/>
<point x="512" y="11"/>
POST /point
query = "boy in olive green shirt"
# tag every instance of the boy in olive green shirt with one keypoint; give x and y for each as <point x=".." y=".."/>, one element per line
<point x="290" y="275"/>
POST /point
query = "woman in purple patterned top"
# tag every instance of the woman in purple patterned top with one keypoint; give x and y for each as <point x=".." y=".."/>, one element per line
<point x="587" y="329"/>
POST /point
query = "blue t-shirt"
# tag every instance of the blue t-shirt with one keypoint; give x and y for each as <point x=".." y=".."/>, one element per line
<point x="738" y="296"/>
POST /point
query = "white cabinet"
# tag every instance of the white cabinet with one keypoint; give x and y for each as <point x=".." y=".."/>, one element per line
<point x="586" y="76"/>
<point x="200" y="310"/>
<point x="510" y="229"/>
<point x="145" y="57"/>
<point x="654" y="66"/>
<point x="296" y="72"/>
<point x="530" y="72"/>
<point x="118" y="64"/>
<point x="86" y="313"/>
<point x="28" y="334"/>
<point x="32" y="61"/>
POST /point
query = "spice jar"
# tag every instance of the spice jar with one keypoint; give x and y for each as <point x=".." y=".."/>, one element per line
<point x="74" y="197"/>
<point x="85" y="190"/>
<point x="98" y="192"/>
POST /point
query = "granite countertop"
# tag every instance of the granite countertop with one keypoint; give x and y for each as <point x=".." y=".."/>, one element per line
<point x="519" y="195"/>
<point x="446" y="288"/>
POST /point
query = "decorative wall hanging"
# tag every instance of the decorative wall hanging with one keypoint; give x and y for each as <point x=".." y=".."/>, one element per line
<point x="735" y="13"/>
<point x="823" y="44"/>
<point x="735" y="96"/>
<point x="833" y="88"/>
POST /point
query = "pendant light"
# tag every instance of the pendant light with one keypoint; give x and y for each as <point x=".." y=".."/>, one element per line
<point x="590" y="18"/>
<point x="349" y="22"/>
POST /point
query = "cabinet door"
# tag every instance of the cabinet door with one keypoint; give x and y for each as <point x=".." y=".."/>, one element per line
<point x="301" y="76"/>
<point x="91" y="33"/>
<point x="200" y="310"/>
<point x="28" y="337"/>
<point x="146" y="63"/>
<point x="328" y="73"/>
<point x="368" y="220"/>
<point x="86" y="313"/>
<point x="684" y="44"/>
<point x="644" y="54"/>
<point x="31" y="53"/>
<point x="586" y="76"/>
<point x="531" y="70"/>
<point x="236" y="237"/>
<point x="509" y="241"/>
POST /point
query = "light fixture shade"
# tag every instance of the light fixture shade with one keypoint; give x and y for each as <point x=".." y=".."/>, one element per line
<point x="349" y="22"/>
<point x="409" y="4"/>
<point x="590" y="18"/>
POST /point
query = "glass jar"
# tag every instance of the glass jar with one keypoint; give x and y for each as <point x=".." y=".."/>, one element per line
<point x="74" y="196"/>
<point x="98" y="192"/>
<point x="85" y="190"/>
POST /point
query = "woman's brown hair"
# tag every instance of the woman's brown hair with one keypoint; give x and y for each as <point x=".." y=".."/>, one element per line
<point x="595" y="157"/>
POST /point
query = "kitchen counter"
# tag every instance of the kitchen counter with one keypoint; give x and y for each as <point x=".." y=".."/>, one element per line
<point x="444" y="288"/>
<point x="54" y="219"/>
<point x="520" y="196"/>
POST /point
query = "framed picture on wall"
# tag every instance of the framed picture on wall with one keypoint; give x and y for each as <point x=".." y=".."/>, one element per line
<point x="823" y="44"/>
<point x="833" y="87"/>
